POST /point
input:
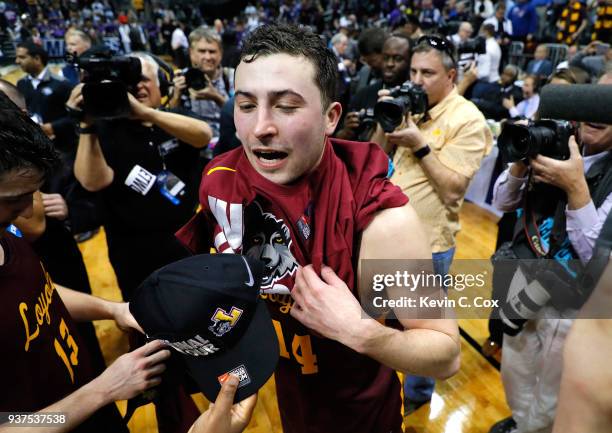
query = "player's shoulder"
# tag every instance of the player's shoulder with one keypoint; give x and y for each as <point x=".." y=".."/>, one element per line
<point x="224" y="165"/>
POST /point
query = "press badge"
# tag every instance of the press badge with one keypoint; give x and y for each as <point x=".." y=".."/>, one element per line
<point x="390" y="168"/>
<point x="170" y="186"/>
<point x="168" y="146"/>
<point x="14" y="231"/>
<point x="140" y="180"/>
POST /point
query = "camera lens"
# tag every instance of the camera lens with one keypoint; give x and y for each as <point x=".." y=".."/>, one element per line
<point x="390" y="113"/>
<point x="516" y="142"/>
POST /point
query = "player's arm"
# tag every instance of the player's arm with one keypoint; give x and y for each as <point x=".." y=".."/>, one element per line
<point x="585" y="401"/>
<point x="428" y="347"/>
<point x="83" y="308"/>
<point x="130" y="375"/>
<point x="326" y="305"/>
<point x="449" y="184"/>
<point x="194" y="132"/>
<point x="90" y="166"/>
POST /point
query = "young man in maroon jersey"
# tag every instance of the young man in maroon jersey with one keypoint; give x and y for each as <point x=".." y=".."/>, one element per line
<point x="45" y="366"/>
<point x="311" y="207"/>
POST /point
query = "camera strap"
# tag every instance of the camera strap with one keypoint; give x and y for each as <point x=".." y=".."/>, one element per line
<point x="532" y="230"/>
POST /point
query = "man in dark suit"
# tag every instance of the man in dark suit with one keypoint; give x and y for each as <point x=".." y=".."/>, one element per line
<point x="45" y="95"/>
<point x="540" y="65"/>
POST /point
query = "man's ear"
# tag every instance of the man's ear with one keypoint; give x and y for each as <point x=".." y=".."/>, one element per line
<point x="333" y="114"/>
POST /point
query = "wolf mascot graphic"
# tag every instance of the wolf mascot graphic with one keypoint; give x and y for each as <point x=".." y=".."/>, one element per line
<point x="268" y="239"/>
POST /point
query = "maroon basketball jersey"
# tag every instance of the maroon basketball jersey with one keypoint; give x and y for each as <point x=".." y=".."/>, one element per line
<point x="322" y="386"/>
<point x="43" y="357"/>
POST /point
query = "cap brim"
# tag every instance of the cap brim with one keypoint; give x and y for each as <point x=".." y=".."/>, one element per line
<point x="256" y="354"/>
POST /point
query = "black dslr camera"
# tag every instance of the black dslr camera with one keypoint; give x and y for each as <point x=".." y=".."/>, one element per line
<point x="367" y="124"/>
<point x="543" y="137"/>
<point x="366" y="118"/>
<point x="194" y="78"/>
<point x="107" y="80"/>
<point x="477" y="45"/>
<point x="408" y="97"/>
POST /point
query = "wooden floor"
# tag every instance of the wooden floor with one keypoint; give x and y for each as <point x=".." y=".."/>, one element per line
<point x="471" y="401"/>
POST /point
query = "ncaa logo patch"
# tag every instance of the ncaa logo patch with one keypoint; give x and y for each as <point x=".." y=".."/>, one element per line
<point x="240" y="372"/>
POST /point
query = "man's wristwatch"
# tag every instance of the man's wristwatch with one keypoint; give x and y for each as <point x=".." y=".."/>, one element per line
<point x="422" y="152"/>
<point x="91" y="129"/>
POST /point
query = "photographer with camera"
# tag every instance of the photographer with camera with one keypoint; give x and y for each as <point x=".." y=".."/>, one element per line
<point x="204" y="87"/>
<point x="145" y="166"/>
<point x="437" y="153"/>
<point x="563" y="194"/>
<point x="359" y="122"/>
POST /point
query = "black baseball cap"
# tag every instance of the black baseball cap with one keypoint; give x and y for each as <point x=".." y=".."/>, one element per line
<point x="207" y="308"/>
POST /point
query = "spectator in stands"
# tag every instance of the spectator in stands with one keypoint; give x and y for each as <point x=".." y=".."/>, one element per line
<point x="449" y="12"/>
<point x="488" y="63"/>
<point x="602" y="29"/>
<point x="593" y="58"/>
<point x="464" y="32"/>
<point x="167" y="28"/>
<point x="124" y="33"/>
<point x="430" y="17"/>
<point x="501" y="24"/>
<point x="410" y="27"/>
<point x="488" y="97"/>
<point x="527" y="108"/>
<point x="77" y="42"/>
<point x="483" y="9"/>
<point x="346" y="67"/>
<point x="540" y="65"/>
<point x="462" y="12"/>
<point x="179" y="45"/>
<point x="524" y="20"/>
<point x="349" y="28"/>
<point x="572" y="23"/>
<point x="339" y="45"/>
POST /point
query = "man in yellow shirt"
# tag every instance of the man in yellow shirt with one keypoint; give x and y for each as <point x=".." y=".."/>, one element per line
<point x="436" y="155"/>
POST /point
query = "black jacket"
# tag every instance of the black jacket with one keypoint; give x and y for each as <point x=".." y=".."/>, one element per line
<point x="48" y="101"/>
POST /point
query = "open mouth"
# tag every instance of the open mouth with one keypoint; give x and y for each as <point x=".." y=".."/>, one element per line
<point x="270" y="158"/>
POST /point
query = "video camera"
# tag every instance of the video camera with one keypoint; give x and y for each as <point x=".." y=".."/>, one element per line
<point x="194" y="78"/>
<point x="543" y="137"/>
<point x="408" y="97"/>
<point x="107" y="80"/>
<point x="477" y="45"/>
